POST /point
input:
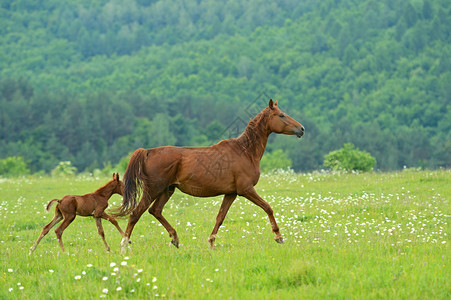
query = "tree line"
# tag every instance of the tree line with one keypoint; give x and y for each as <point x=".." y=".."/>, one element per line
<point x="90" y="81"/>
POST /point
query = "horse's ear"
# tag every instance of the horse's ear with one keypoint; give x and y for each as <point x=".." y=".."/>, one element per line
<point x="275" y="104"/>
<point x="117" y="176"/>
<point x="271" y="104"/>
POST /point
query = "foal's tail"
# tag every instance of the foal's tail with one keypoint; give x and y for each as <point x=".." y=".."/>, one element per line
<point x="51" y="202"/>
<point x="133" y="182"/>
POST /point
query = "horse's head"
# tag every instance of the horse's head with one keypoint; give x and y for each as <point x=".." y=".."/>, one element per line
<point x="280" y="122"/>
<point x="118" y="185"/>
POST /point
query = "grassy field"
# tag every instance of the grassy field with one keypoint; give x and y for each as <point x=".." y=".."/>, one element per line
<point x="347" y="236"/>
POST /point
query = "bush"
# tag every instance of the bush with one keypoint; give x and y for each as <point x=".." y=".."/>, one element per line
<point x="64" y="168"/>
<point x="13" y="166"/>
<point x="349" y="158"/>
<point x="278" y="159"/>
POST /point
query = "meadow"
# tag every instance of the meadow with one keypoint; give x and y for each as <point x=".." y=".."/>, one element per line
<point x="347" y="236"/>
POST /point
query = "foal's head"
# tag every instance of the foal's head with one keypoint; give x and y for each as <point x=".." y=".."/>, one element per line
<point x="116" y="185"/>
<point x="280" y="122"/>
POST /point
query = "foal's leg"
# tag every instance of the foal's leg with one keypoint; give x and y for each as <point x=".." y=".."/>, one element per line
<point x="252" y="195"/>
<point x="156" y="210"/>
<point x="144" y="204"/>
<point x="59" y="231"/>
<point x="226" y="203"/>
<point x="57" y="218"/>
<point x="101" y="232"/>
<point x="112" y="221"/>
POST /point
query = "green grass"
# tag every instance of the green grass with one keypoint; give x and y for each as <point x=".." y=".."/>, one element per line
<point x="347" y="236"/>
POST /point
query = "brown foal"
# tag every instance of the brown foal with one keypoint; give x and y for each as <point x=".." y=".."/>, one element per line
<point x="93" y="204"/>
<point x="229" y="168"/>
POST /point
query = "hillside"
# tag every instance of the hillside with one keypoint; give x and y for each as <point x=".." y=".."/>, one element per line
<point x="90" y="81"/>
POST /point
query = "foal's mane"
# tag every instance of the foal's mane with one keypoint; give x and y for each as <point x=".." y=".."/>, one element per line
<point x="105" y="189"/>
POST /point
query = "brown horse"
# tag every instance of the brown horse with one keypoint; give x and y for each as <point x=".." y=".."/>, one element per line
<point x="230" y="168"/>
<point x="93" y="204"/>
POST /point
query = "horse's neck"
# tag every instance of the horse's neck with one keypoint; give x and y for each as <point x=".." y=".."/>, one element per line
<point x="255" y="137"/>
<point x="105" y="191"/>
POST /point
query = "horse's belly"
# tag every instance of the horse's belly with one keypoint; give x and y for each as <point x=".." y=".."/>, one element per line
<point x="205" y="190"/>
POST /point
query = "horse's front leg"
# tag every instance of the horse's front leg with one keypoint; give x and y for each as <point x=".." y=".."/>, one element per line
<point x="113" y="221"/>
<point x="252" y="195"/>
<point x="101" y="232"/>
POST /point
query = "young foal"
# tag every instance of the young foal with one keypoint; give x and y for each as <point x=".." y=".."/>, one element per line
<point x="229" y="168"/>
<point x="93" y="204"/>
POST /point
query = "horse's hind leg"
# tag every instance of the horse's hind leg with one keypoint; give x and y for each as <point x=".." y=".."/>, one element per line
<point x="156" y="210"/>
<point x="59" y="231"/>
<point x="101" y="232"/>
<point x="134" y="218"/>
<point x="226" y="203"/>
<point x="57" y="218"/>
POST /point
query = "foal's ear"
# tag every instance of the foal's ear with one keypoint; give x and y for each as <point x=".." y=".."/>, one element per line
<point x="271" y="104"/>
<point x="117" y="176"/>
<point x="275" y="104"/>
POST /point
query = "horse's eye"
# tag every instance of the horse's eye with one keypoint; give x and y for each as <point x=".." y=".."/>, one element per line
<point x="282" y="115"/>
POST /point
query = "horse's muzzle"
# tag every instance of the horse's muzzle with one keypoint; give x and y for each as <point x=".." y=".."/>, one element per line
<point x="299" y="131"/>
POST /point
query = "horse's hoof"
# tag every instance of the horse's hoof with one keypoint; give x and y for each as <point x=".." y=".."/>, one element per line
<point x="279" y="240"/>
<point x="175" y="243"/>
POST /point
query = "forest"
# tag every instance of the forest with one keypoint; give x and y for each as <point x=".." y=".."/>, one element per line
<point x="91" y="81"/>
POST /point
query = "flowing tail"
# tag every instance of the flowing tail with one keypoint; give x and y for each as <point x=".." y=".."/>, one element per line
<point x="51" y="202"/>
<point x="133" y="182"/>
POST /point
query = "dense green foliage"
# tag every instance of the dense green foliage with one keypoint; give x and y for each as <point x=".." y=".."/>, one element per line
<point x="277" y="159"/>
<point x="348" y="159"/>
<point x="13" y="166"/>
<point x="347" y="236"/>
<point x="91" y="81"/>
<point x="64" y="168"/>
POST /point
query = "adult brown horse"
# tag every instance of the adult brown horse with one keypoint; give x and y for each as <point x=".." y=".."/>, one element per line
<point x="230" y="168"/>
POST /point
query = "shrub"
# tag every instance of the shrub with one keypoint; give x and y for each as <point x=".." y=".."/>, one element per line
<point x="349" y="158"/>
<point x="64" y="168"/>
<point x="277" y="159"/>
<point x="13" y="166"/>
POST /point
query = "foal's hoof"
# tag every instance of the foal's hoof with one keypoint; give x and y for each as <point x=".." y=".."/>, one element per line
<point x="175" y="243"/>
<point x="279" y="240"/>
